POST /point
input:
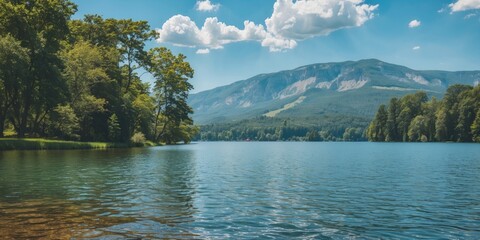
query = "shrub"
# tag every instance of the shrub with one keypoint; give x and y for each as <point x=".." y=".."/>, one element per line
<point x="138" y="139"/>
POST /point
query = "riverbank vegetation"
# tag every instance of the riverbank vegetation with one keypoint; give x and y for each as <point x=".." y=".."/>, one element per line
<point x="414" y="118"/>
<point x="46" y="144"/>
<point x="80" y="79"/>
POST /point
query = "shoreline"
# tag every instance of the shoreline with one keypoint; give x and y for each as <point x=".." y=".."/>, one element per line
<point x="48" y="144"/>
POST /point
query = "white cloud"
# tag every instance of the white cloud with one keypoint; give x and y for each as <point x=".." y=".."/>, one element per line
<point x="207" y="6"/>
<point x="469" y="15"/>
<point x="276" y="44"/>
<point x="203" y="51"/>
<point x="414" y="23"/>
<point x="463" y="5"/>
<point x="294" y="21"/>
<point x="304" y="19"/>
<point x="289" y="23"/>
<point x="182" y="31"/>
<point x="416" y="48"/>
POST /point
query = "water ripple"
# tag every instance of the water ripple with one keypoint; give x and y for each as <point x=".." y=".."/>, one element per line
<point x="244" y="191"/>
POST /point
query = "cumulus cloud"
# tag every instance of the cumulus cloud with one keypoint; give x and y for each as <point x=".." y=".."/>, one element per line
<point x="182" y="31"/>
<point x="295" y="21"/>
<point x="277" y="44"/>
<point x="463" y="5"/>
<point x="414" y="23"/>
<point x="416" y="48"/>
<point x="304" y="19"/>
<point x="289" y="23"/>
<point x="207" y="6"/>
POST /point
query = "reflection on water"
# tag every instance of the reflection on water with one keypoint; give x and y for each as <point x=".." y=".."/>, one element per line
<point x="243" y="190"/>
<point x="63" y="194"/>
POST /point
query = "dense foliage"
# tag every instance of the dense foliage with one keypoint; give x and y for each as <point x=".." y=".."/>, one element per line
<point x="79" y="79"/>
<point x="413" y="118"/>
<point x="327" y="128"/>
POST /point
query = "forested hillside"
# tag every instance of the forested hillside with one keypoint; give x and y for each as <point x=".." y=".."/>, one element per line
<point x="319" y="102"/>
<point x="325" y="128"/>
<point x="80" y="79"/>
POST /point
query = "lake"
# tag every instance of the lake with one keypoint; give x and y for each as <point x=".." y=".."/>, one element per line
<point x="244" y="190"/>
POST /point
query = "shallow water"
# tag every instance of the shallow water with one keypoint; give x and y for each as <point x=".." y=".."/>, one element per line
<point x="244" y="190"/>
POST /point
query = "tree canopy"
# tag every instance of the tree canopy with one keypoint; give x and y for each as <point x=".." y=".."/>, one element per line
<point x="413" y="118"/>
<point x="80" y="79"/>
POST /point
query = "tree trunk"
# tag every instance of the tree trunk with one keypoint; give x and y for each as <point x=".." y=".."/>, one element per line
<point x="3" y="117"/>
<point x="2" y="124"/>
<point x="22" y="126"/>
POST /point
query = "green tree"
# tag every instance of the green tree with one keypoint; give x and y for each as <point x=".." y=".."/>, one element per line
<point x="391" y="124"/>
<point x="411" y="106"/>
<point x="123" y="42"/>
<point x="418" y="129"/>
<point x="132" y="36"/>
<point x="95" y="30"/>
<point x="451" y="103"/>
<point x="40" y="26"/>
<point x="64" y="123"/>
<point x="144" y="107"/>
<point x="430" y="110"/>
<point x="452" y="119"/>
<point x="352" y="134"/>
<point x="404" y="120"/>
<point x="313" y="136"/>
<point x="171" y="91"/>
<point x="377" y="129"/>
<point x="13" y="75"/>
<point x="466" y="117"/>
<point x="83" y="71"/>
<point x="441" y="125"/>
<point x="476" y="128"/>
<point x="114" y="130"/>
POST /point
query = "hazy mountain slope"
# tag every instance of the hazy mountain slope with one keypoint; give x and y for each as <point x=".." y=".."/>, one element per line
<point x="345" y="88"/>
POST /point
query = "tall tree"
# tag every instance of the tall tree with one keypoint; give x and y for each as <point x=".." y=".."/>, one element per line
<point x="391" y="124"/>
<point x="455" y="118"/>
<point x="125" y="39"/>
<point x="451" y="103"/>
<point x="441" y="125"/>
<point x="476" y="128"/>
<point x="466" y="116"/>
<point x="13" y="74"/>
<point x="429" y="110"/>
<point x="132" y="36"/>
<point x="418" y="129"/>
<point x="404" y="119"/>
<point x="40" y="26"/>
<point x="377" y="129"/>
<point x="171" y="91"/>
<point x="84" y="70"/>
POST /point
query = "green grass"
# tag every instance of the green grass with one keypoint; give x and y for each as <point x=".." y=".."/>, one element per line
<point x="46" y="144"/>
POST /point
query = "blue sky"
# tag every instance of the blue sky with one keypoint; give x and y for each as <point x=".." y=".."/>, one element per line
<point x="445" y="35"/>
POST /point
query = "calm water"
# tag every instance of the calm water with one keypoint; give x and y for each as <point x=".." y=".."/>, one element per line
<point x="244" y="190"/>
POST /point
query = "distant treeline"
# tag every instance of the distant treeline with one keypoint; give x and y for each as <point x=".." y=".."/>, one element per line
<point x="325" y="128"/>
<point x="414" y="118"/>
<point x="80" y="79"/>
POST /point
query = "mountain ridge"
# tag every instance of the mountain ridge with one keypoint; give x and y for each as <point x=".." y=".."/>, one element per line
<point x="323" y="86"/>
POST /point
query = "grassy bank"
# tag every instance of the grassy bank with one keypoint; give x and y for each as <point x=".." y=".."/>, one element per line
<point x="44" y="144"/>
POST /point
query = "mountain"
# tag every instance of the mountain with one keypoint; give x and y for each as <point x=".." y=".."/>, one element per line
<point x="352" y="88"/>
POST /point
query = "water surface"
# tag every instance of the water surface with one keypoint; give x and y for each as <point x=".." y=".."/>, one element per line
<point x="244" y="190"/>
